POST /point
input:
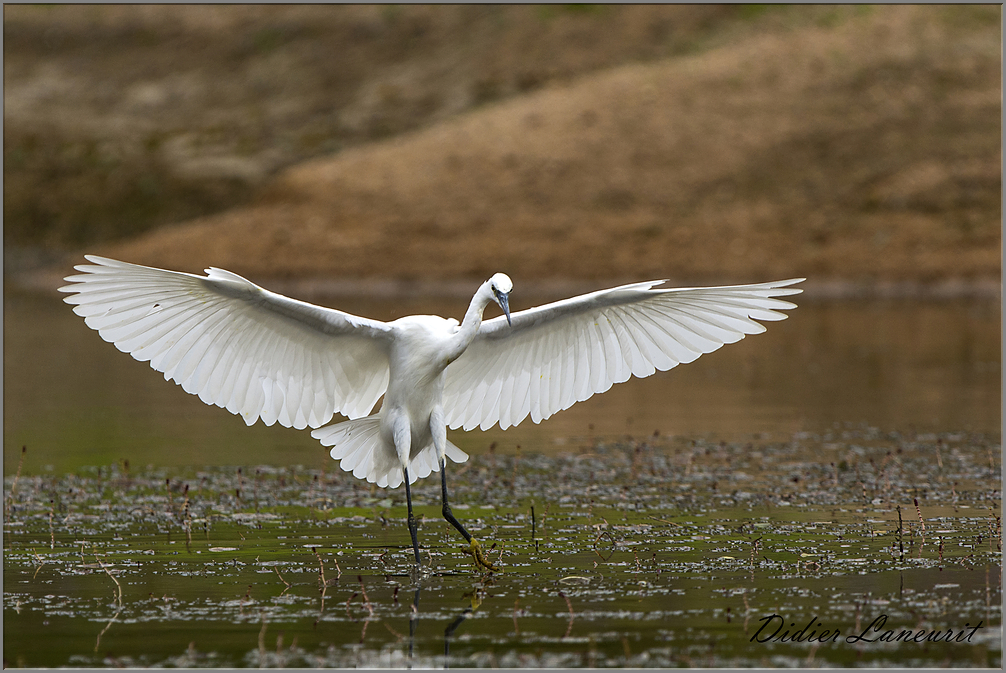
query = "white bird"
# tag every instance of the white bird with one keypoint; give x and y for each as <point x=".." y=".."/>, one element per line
<point x="264" y="356"/>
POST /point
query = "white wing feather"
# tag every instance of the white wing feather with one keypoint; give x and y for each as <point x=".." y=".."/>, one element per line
<point x="253" y="352"/>
<point x="564" y="352"/>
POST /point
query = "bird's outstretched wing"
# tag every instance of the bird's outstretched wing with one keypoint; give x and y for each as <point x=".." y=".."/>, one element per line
<point x="564" y="352"/>
<point x="253" y="352"/>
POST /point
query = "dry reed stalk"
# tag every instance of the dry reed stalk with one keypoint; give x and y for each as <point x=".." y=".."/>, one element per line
<point x="241" y="605"/>
<point x="288" y="585"/>
<point x="188" y="520"/>
<point x="321" y="572"/>
<point x="918" y="510"/>
<point x="109" y="573"/>
<point x="901" y="545"/>
<point x="13" y="485"/>
<point x="171" y="500"/>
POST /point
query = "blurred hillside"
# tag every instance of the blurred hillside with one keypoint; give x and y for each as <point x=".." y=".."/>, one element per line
<point x="701" y="143"/>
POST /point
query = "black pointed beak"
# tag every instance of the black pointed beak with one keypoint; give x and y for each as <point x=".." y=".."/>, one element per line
<point x="504" y="303"/>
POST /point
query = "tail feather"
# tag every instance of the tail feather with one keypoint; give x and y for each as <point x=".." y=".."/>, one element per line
<point x="359" y="448"/>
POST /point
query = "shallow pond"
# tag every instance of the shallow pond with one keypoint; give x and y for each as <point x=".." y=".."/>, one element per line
<point x="827" y="493"/>
<point x="646" y="553"/>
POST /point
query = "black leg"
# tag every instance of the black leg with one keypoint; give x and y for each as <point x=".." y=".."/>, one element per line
<point x="448" y="514"/>
<point x="475" y="547"/>
<point x="412" y="519"/>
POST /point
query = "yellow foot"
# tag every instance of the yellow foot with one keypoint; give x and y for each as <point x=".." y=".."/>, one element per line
<point x="475" y="549"/>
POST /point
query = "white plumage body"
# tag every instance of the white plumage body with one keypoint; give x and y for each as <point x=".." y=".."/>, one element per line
<point x="265" y="356"/>
<point x="417" y="358"/>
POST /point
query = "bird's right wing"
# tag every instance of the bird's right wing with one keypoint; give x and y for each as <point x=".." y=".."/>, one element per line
<point x="564" y="352"/>
<point x="253" y="352"/>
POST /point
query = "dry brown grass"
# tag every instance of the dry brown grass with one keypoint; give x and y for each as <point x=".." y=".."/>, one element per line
<point x="118" y="118"/>
<point x="865" y="148"/>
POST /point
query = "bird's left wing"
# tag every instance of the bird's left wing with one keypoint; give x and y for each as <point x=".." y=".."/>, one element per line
<point x="564" y="352"/>
<point x="253" y="352"/>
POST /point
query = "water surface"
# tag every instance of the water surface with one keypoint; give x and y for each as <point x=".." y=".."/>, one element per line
<point x="840" y="473"/>
<point x="75" y="400"/>
<point x="656" y="553"/>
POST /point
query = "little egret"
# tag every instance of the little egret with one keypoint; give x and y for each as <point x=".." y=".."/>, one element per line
<point x="264" y="356"/>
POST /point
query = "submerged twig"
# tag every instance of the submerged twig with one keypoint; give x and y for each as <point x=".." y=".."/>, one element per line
<point x="41" y="562"/>
<point x="348" y="601"/>
<point x="117" y="585"/>
<point x="366" y="599"/>
<point x="613" y="543"/>
<point x="261" y="639"/>
<point x="279" y="648"/>
<point x="393" y="632"/>
<point x="97" y="643"/>
<point x="570" y="606"/>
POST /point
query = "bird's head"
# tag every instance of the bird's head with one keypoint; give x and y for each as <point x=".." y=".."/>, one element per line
<point x="501" y="285"/>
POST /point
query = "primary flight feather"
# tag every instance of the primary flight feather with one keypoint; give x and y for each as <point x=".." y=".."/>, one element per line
<point x="264" y="356"/>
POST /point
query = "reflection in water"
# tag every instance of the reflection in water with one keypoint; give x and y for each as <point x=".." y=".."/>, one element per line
<point x="449" y="633"/>
<point x="413" y="618"/>
<point x="74" y="400"/>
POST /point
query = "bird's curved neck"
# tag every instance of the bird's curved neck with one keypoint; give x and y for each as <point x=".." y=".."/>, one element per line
<point x="473" y="318"/>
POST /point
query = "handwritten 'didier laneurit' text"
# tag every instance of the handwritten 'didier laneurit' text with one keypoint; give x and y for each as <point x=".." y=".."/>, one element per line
<point x="774" y="630"/>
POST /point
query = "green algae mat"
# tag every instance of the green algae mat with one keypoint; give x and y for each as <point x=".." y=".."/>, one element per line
<point x="853" y="547"/>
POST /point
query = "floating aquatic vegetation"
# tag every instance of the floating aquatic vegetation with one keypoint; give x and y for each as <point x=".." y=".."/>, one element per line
<point x="653" y="552"/>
